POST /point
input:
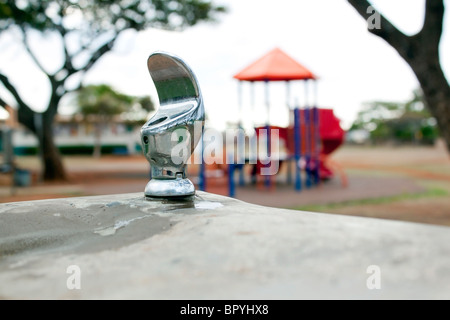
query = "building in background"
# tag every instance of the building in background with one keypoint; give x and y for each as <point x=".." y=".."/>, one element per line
<point x="73" y="135"/>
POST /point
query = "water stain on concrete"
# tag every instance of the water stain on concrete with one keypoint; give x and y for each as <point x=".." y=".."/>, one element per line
<point x="90" y="224"/>
<point x="79" y="227"/>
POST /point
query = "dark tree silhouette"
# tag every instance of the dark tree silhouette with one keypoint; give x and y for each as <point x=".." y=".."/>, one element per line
<point x="87" y="30"/>
<point x="421" y="52"/>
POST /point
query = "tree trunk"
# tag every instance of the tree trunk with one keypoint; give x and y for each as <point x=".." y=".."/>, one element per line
<point x="436" y="92"/>
<point x="421" y="52"/>
<point x="41" y="124"/>
<point x="440" y="110"/>
<point x="51" y="160"/>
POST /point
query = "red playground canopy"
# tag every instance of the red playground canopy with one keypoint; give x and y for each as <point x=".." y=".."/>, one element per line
<point x="275" y="66"/>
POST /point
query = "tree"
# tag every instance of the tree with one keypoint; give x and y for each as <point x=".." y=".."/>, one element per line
<point x="408" y="122"/>
<point x="421" y="52"/>
<point x="100" y="103"/>
<point x="87" y="30"/>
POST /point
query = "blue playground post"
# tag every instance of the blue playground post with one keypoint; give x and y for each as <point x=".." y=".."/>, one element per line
<point x="318" y="140"/>
<point x="231" y="185"/>
<point x="266" y="86"/>
<point x="267" y="179"/>
<point x="240" y="139"/>
<point x="288" y="162"/>
<point x="297" y="141"/>
<point x="317" y="145"/>
<point x="307" y="118"/>
<point x="202" y="177"/>
<point x="240" y="155"/>
<point x="308" y="181"/>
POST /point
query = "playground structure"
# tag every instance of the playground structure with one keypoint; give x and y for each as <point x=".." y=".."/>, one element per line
<point x="307" y="143"/>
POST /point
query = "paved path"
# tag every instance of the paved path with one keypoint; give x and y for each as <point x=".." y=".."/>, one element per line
<point x="372" y="173"/>
<point x="360" y="187"/>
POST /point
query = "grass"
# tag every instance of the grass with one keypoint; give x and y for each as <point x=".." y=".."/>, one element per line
<point x="430" y="192"/>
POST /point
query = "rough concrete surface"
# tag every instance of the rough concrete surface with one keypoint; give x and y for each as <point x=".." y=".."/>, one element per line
<point x="212" y="247"/>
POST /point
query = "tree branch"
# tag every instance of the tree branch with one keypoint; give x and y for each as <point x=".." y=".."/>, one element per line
<point x="71" y="70"/>
<point x="26" y="115"/>
<point x="387" y="31"/>
<point x="99" y="53"/>
<point x="68" y="65"/>
<point x="433" y="22"/>
<point x="57" y="93"/>
<point x="4" y="79"/>
<point x="30" y="52"/>
<point x="3" y="103"/>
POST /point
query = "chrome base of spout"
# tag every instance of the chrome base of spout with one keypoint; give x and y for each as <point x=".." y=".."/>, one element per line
<point x="169" y="188"/>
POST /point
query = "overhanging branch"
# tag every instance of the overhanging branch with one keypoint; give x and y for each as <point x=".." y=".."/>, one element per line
<point x="3" y="103"/>
<point x="433" y="22"/>
<point x="387" y="31"/>
<point x="68" y="65"/>
<point x="8" y="85"/>
<point x="98" y="54"/>
<point x="30" y="52"/>
<point x="56" y="95"/>
<point x="70" y="69"/>
<point x="25" y="114"/>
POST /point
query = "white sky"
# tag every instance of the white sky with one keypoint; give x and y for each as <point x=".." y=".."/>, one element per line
<point x="326" y="36"/>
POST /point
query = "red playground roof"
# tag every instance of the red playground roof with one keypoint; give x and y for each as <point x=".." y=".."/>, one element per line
<point x="275" y="66"/>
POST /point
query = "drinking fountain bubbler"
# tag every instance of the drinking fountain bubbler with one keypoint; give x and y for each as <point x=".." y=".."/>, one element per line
<point x="171" y="135"/>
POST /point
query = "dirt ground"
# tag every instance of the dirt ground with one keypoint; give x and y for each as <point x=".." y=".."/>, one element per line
<point x="402" y="183"/>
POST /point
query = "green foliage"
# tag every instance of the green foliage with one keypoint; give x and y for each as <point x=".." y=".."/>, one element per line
<point x="99" y="16"/>
<point x="103" y="101"/>
<point x="146" y="103"/>
<point x="408" y="122"/>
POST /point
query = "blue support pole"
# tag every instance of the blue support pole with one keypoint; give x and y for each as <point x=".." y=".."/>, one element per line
<point x="308" y="181"/>
<point x="202" y="176"/>
<point x="307" y="113"/>
<point x="240" y="155"/>
<point x="312" y="145"/>
<point x="317" y="145"/>
<point x="288" y="159"/>
<point x="297" y="141"/>
<point x="241" y="175"/>
<point x="240" y="139"/>
<point x="267" y="180"/>
<point x="231" y="186"/>
<point x="318" y="140"/>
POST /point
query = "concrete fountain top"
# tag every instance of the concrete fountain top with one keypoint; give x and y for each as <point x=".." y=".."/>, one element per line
<point x="212" y="247"/>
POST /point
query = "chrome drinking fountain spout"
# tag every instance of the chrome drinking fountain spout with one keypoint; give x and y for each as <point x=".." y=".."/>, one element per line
<point x="171" y="135"/>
